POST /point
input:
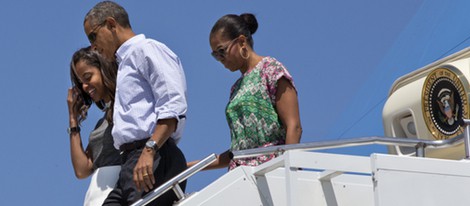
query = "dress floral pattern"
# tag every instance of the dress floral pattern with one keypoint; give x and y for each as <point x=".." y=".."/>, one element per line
<point x="251" y="112"/>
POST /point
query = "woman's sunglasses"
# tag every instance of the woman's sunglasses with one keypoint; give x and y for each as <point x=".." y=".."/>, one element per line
<point x="221" y="52"/>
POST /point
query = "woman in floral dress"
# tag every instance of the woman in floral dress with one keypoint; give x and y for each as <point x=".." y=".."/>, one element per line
<point x="263" y="108"/>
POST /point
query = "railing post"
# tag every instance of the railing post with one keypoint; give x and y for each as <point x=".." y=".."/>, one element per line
<point x="178" y="191"/>
<point x="420" y="149"/>
<point x="467" y="138"/>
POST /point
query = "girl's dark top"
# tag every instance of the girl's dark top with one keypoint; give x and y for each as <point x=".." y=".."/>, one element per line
<point x="101" y="145"/>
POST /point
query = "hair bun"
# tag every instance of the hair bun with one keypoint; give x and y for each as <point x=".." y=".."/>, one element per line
<point x="250" y="21"/>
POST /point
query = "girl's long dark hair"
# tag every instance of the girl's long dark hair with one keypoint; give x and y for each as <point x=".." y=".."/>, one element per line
<point x="108" y="72"/>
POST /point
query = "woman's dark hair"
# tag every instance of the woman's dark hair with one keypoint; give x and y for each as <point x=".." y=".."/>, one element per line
<point x="108" y="71"/>
<point x="232" y="26"/>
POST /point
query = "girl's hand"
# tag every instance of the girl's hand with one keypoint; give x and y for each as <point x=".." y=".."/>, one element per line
<point x="74" y="103"/>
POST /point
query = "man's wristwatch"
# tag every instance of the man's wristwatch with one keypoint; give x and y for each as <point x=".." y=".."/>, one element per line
<point x="151" y="144"/>
<point x="73" y="129"/>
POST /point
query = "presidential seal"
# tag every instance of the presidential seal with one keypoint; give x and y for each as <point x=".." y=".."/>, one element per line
<point x="445" y="102"/>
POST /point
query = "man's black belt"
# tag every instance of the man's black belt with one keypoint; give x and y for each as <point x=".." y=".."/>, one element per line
<point x="139" y="143"/>
<point x="133" y="145"/>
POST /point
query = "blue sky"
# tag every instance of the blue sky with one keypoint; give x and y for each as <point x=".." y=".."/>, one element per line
<point x="344" y="57"/>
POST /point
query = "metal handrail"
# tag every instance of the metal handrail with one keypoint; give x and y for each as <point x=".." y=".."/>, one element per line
<point x="174" y="182"/>
<point x="419" y="144"/>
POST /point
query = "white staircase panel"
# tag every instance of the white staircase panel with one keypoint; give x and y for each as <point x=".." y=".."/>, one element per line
<point x="233" y="189"/>
<point x="401" y="180"/>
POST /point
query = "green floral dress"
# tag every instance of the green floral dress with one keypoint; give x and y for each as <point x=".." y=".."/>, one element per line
<point x="251" y="112"/>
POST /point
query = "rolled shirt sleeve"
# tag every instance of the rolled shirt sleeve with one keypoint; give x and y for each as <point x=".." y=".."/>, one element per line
<point x="151" y="85"/>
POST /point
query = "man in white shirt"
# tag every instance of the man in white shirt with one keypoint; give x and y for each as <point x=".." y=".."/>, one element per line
<point x="149" y="107"/>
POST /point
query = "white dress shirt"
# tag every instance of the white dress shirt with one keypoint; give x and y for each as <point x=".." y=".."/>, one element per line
<point x="150" y="86"/>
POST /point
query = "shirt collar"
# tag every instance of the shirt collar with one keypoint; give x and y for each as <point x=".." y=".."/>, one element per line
<point x="124" y="48"/>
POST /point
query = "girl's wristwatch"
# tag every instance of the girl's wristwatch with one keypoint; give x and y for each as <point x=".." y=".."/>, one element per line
<point x="70" y="130"/>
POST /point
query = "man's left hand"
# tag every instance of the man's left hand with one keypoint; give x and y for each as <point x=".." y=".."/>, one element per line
<point x="143" y="171"/>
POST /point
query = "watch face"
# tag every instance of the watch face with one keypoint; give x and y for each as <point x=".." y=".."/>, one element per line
<point x="151" y="144"/>
<point x="445" y="102"/>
